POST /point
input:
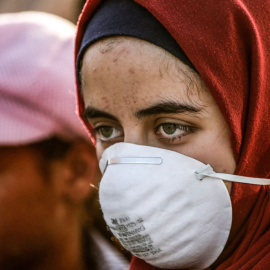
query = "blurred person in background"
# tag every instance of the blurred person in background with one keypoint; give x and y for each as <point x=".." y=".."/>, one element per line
<point x="46" y="159"/>
<point x="68" y="9"/>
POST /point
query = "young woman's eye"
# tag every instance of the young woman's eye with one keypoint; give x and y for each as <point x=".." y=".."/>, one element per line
<point x="169" y="128"/>
<point x="107" y="133"/>
<point x="170" y="132"/>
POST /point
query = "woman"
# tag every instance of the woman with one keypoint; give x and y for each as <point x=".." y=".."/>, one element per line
<point x="132" y="80"/>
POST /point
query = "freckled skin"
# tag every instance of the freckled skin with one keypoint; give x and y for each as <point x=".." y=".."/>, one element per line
<point x="143" y="75"/>
<point x="131" y="71"/>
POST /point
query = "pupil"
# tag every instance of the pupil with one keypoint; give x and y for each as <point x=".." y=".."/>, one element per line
<point x="106" y="131"/>
<point x="169" y="128"/>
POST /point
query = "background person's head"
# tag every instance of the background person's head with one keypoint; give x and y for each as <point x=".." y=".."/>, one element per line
<point x="46" y="159"/>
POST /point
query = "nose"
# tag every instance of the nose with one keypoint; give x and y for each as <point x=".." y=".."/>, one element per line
<point x="135" y="135"/>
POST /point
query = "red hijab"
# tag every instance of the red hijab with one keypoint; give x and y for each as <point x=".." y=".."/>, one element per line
<point x="228" y="42"/>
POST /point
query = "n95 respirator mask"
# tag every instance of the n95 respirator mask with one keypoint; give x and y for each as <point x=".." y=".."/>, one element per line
<point x="166" y="208"/>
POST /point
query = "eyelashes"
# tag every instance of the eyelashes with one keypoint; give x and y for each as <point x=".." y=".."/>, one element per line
<point x="171" y="132"/>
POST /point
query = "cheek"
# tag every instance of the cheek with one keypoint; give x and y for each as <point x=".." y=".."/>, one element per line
<point x="219" y="156"/>
<point x="214" y="148"/>
<point x="228" y="186"/>
<point x="99" y="150"/>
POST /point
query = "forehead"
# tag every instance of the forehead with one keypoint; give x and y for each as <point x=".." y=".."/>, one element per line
<point x="130" y="70"/>
<point x="135" y="52"/>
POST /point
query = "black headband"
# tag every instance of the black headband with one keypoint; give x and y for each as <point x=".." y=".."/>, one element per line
<point x="127" y="18"/>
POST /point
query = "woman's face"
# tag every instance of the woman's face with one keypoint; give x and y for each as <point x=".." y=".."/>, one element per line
<point x="136" y="92"/>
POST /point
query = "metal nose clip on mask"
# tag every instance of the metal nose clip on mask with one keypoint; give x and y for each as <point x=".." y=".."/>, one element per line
<point x="166" y="208"/>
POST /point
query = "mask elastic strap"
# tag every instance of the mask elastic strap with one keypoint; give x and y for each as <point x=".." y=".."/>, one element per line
<point x="133" y="160"/>
<point x="207" y="171"/>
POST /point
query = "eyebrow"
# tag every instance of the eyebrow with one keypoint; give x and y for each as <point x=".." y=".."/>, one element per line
<point x="91" y="113"/>
<point x="166" y="107"/>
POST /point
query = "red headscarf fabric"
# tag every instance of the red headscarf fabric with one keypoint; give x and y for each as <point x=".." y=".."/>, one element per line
<point x="228" y="42"/>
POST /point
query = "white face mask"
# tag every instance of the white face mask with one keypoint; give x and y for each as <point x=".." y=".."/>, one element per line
<point x="166" y="208"/>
